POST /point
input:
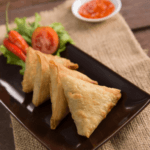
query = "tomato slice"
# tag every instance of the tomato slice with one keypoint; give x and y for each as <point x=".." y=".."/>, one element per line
<point x="45" y="39"/>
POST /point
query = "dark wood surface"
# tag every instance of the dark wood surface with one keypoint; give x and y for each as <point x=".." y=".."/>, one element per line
<point x="135" y="12"/>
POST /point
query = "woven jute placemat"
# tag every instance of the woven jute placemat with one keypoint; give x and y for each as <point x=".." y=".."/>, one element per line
<point x="112" y="43"/>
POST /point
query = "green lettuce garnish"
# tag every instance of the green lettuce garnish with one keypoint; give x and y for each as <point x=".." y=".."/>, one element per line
<point x="12" y="59"/>
<point x="64" y="37"/>
<point x="26" y="30"/>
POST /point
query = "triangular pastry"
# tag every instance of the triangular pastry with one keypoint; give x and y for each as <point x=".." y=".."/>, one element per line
<point x="41" y="91"/>
<point x="59" y="103"/>
<point x="89" y="104"/>
<point x="30" y="70"/>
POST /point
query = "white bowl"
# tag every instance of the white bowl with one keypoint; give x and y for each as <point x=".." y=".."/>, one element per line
<point x="78" y="3"/>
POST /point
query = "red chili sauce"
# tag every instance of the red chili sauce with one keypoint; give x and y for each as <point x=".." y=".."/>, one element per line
<point x="96" y="9"/>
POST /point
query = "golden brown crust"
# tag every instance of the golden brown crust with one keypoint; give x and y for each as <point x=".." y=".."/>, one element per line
<point x="30" y="71"/>
<point x="41" y="91"/>
<point x="66" y="62"/>
<point x="73" y="73"/>
<point x="89" y="104"/>
<point x="31" y="63"/>
<point x="59" y="104"/>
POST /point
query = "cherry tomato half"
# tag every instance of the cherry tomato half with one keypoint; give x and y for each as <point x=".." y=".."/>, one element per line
<point x="45" y="39"/>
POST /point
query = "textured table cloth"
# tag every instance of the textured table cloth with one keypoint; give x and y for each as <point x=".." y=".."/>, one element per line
<point x="112" y="43"/>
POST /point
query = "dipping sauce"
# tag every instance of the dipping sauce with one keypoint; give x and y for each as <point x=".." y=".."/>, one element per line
<point x="96" y="9"/>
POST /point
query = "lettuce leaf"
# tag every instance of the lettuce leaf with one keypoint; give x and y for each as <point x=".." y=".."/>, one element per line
<point x="26" y="29"/>
<point x="12" y="59"/>
<point x="64" y="37"/>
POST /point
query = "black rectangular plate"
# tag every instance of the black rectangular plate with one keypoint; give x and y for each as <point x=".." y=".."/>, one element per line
<point x="65" y="137"/>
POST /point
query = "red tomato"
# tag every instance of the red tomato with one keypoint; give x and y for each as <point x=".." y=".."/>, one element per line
<point x="45" y="39"/>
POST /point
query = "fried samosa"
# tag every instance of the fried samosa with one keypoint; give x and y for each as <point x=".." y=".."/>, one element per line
<point x="89" y="104"/>
<point x="30" y="71"/>
<point x="42" y="80"/>
<point x="59" y="103"/>
<point x="31" y="63"/>
<point x="41" y="91"/>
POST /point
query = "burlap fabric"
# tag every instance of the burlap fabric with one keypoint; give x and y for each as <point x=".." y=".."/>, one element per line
<point x="113" y="44"/>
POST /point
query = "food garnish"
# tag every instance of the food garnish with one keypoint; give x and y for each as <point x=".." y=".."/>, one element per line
<point x="96" y="9"/>
<point x="45" y="39"/>
<point x="14" y="39"/>
<point x="12" y="58"/>
<point x="21" y="36"/>
<point x="14" y="49"/>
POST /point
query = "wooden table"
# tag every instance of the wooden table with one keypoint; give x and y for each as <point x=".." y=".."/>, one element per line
<point x="135" y="12"/>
